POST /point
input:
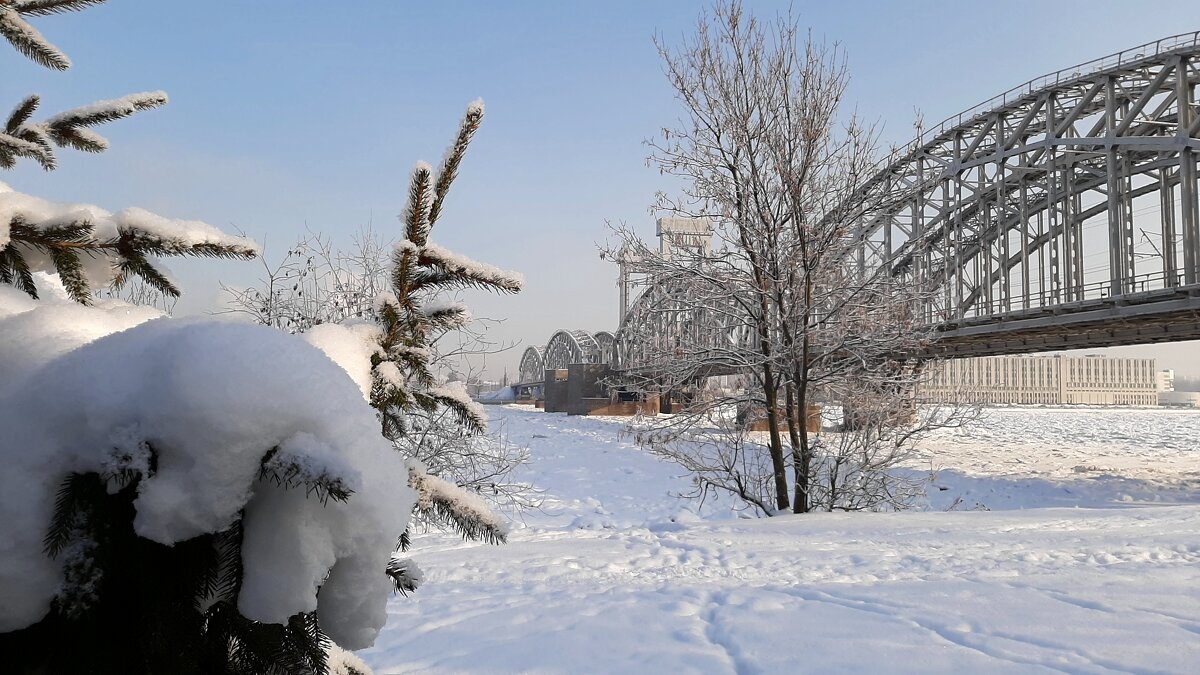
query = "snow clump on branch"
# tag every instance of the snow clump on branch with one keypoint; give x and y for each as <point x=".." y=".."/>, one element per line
<point x="236" y="417"/>
<point x="169" y="236"/>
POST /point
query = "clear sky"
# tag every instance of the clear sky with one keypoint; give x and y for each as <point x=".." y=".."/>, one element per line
<point x="295" y="114"/>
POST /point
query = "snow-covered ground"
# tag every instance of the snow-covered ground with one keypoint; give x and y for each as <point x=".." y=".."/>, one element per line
<point x="1088" y="561"/>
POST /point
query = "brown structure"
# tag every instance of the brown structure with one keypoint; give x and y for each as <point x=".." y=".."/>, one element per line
<point x="756" y="419"/>
<point x="585" y="383"/>
<point x="614" y="406"/>
<point x="865" y="413"/>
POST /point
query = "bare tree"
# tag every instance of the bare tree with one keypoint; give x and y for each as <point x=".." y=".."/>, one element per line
<point x="316" y="283"/>
<point x="768" y="156"/>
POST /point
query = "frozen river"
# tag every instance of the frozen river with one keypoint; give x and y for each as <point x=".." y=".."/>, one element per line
<point x="1053" y="540"/>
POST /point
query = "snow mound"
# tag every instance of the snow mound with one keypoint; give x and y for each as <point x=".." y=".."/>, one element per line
<point x="211" y="401"/>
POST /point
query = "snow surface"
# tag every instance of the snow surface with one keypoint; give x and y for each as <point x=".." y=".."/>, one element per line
<point x="1087" y="562"/>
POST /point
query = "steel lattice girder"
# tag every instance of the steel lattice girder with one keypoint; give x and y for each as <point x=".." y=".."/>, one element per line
<point x="989" y="208"/>
<point x="978" y="205"/>
<point x="533" y="365"/>
<point x="669" y="327"/>
<point x="571" y="346"/>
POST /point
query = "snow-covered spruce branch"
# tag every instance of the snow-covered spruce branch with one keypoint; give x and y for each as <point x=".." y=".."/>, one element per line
<point x="89" y="248"/>
<point x="445" y="503"/>
<point x="286" y="468"/>
<point x="22" y="138"/>
<point x="26" y="39"/>
<point x="441" y="269"/>
<point x="205" y="470"/>
<point x="385" y="313"/>
<point x="406" y="576"/>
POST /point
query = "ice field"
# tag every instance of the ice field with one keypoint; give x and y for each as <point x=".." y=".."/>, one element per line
<point x="1071" y="544"/>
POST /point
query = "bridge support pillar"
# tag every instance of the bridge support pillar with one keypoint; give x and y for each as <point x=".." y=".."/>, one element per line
<point x="585" y="387"/>
<point x="555" y="390"/>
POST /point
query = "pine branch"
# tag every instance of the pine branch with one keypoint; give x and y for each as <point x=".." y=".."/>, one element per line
<point x="416" y="213"/>
<point x="71" y="274"/>
<point x="446" y="504"/>
<point x="436" y="258"/>
<point x="466" y="413"/>
<point x="26" y="144"/>
<point x="27" y="40"/>
<point x="109" y="110"/>
<point x="300" y="647"/>
<point x="440" y="279"/>
<point x="64" y="244"/>
<point x="304" y="647"/>
<point x="21" y="114"/>
<point x="75" y="494"/>
<point x="449" y="317"/>
<point x="285" y="472"/>
<point x="406" y="576"/>
<point x="449" y="170"/>
<point x="132" y="239"/>
<point x="134" y="263"/>
<point x="14" y="270"/>
<point x="222" y="580"/>
<point x="49" y="7"/>
<point x="75" y="138"/>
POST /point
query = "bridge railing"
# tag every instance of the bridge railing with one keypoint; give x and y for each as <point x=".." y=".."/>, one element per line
<point x="1066" y="296"/>
<point x="1139" y="53"/>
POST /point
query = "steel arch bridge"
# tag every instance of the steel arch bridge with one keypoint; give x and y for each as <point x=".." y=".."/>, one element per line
<point x="564" y="348"/>
<point x="1060" y="214"/>
<point x="672" y="323"/>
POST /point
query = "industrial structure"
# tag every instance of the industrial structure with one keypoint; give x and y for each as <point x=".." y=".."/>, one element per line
<point x="1061" y="214"/>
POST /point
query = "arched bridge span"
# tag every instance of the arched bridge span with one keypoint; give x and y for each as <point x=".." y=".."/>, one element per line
<point x="1060" y="214"/>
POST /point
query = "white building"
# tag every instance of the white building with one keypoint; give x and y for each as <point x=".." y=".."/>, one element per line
<point x="1051" y="380"/>
<point x="1166" y="380"/>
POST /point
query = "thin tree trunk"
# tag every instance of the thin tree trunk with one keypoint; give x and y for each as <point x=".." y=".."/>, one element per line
<point x="802" y="464"/>
<point x="772" y="397"/>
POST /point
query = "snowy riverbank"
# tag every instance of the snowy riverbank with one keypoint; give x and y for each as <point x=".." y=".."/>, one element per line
<point x="1088" y="561"/>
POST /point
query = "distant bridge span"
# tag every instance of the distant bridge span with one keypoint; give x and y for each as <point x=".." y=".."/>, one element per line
<point x="1061" y="214"/>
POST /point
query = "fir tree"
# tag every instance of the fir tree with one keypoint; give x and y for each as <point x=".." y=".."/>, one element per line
<point x="128" y="604"/>
<point x="411" y="316"/>
<point x="132" y="605"/>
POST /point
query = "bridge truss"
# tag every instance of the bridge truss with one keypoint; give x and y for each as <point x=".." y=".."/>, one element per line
<point x="1060" y="214"/>
<point x="1067" y="203"/>
<point x="564" y="348"/>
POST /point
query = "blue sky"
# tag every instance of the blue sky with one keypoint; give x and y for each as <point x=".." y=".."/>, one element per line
<point x="295" y="114"/>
